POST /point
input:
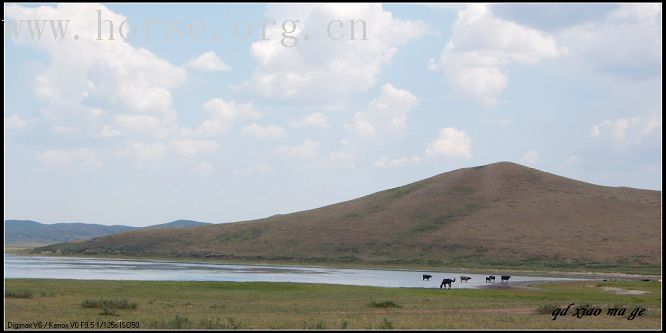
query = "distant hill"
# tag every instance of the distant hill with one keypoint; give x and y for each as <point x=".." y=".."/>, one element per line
<point x="26" y="233"/>
<point x="30" y="233"/>
<point x="502" y="214"/>
<point x="178" y="224"/>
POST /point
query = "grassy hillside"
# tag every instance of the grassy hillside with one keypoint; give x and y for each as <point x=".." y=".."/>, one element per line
<point x="502" y="214"/>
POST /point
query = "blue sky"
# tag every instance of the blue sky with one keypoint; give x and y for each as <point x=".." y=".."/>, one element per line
<point x="220" y="127"/>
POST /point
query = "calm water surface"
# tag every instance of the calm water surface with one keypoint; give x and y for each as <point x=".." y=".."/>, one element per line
<point x="155" y="270"/>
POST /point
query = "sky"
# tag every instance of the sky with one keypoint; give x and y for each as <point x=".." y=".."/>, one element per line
<point x="139" y="114"/>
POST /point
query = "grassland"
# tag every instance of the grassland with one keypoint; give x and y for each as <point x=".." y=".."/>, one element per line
<point x="314" y="306"/>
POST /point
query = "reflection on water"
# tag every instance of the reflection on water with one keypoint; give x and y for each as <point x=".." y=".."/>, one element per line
<point x="154" y="270"/>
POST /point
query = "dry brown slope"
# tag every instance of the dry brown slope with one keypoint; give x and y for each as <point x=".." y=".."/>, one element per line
<point x="493" y="214"/>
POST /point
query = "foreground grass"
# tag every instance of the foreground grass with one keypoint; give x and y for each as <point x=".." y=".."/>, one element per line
<point x="317" y="306"/>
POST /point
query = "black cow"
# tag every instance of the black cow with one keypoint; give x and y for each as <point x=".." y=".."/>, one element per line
<point x="490" y="278"/>
<point x="505" y="278"/>
<point x="465" y="278"/>
<point x="426" y="277"/>
<point x="446" y="282"/>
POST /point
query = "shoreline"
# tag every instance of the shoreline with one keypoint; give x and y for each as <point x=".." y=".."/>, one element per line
<point x="462" y="270"/>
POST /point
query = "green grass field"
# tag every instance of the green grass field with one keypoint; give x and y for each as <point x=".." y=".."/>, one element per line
<point x="317" y="306"/>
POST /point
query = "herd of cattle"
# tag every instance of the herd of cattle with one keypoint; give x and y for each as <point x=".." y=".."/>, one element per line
<point x="447" y="281"/>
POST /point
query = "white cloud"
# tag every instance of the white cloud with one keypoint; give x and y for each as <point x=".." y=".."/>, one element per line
<point x="184" y="147"/>
<point x="222" y="114"/>
<point x="204" y="168"/>
<point x="386" y="115"/>
<point x="626" y="130"/>
<point x="451" y="143"/>
<point x="551" y="16"/>
<point x="255" y="169"/>
<point x="107" y="132"/>
<point x="191" y="147"/>
<point x="69" y="158"/>
<point x="385" y="162"/>
<point x="482" y="45"/>
<point x="306" y="150"/>
<point x="15" y="121"/>
<point x="530" y="158"/>
<point x="158" y="126"/>
<point x="145" y="152"/>
<point x="85" y="74"/>
<point x="316" y="119"/>
<point x="637" y="12"/>
<point x="343" y="157"/>
<point x="263" y="132"/>
<point x="626" y="43"/>
<point x="65" y="129"/>
<point x="320" y="69"/>
<point x="208" y="61"/>
<point x="498" y="122"/>
<point x="361" y="126"/>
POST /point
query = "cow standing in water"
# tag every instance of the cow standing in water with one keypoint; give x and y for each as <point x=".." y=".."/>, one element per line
<point x="446" y="282"/>
<point x="465" y="278"/>
<point x="505" y="278"/>
<point x="426" y="277"/>
<point x="490" y="278"/>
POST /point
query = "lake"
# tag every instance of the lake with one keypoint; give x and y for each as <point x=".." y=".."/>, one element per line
<point x="45" y="267"/>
